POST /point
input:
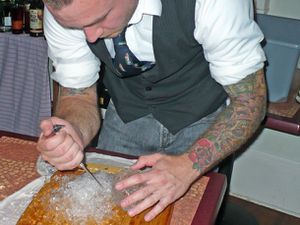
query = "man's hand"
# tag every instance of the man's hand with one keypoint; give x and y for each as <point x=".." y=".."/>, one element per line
<point x="78" y="108"/>
<point x="64" y="149"/>
<point x="169" y="178"/>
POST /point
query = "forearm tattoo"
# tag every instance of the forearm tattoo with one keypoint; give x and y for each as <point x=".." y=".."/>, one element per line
<point x="234" y="125"/>
<point x="73" y="97"/>
<point x="73" y="91"/>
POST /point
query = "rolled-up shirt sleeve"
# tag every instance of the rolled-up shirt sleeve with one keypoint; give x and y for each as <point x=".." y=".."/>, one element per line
<point x="230" y="38"/>
<point x="75" y="64"/>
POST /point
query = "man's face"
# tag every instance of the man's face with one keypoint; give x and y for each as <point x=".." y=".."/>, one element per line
<point x="97" y="18"/>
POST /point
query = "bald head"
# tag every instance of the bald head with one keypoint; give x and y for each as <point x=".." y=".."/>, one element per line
<point x="57" y="4"/>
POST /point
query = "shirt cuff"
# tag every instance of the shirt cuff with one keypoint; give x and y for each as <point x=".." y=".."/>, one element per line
<point x="72" y="76"/>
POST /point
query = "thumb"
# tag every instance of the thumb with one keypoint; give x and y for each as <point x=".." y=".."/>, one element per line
<point x="145" y="161"/>
<point x="46" y="127"/>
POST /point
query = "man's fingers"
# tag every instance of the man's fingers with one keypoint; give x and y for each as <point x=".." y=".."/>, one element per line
<point x="162" y="185"/>
<point x="61" y="151"/>
<point x="66" y="154"/>
<point x="48" y="144"/>
<point x="145" y="161"/>
<point x="132" y="180"/>
<point x="137" y="196"/>
<point x="145" y="204"/>
<point x="46" y="127"/>
<point x="157" y="209"/>
<point x="71" y="164"/>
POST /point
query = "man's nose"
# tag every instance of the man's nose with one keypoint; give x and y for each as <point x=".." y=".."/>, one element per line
<point x="92" y="34"/>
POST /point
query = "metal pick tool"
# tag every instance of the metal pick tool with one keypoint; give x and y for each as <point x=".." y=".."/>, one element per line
<point x="90" y="174"/>
<point x="58" y="127"/>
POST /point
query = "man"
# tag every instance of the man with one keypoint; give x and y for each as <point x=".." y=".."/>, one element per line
<point x="200" y="52"/>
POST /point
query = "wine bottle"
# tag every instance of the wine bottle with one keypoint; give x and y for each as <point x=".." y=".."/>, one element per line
<point x="5" y="14"/>
<point x="36" y="18"/>
<point x="17" y="13"/>
<point x="26" y="16"/>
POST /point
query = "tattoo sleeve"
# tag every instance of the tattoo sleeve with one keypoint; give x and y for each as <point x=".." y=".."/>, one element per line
<point x="234" y="126"/>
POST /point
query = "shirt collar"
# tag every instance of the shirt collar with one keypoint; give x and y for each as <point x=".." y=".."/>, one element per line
<point x="146" y="7"/>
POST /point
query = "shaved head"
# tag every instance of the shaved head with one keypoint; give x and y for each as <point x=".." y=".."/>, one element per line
<point x="57" y="4"/>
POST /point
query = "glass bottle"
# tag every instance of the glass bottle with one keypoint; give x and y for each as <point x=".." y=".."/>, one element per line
<point x="36" y="18"/>
<point x="5" y="15"/>
<point x="17" y="14"/>
<point x="26" y="16"/>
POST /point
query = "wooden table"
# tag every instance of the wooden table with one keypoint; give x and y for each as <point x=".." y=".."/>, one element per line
<point x="209" y="205"/>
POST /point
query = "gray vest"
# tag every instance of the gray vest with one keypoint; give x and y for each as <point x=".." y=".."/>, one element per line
<point x="179" y="89"/>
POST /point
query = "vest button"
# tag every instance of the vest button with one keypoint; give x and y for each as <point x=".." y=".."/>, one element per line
<point x="148" y="88"/>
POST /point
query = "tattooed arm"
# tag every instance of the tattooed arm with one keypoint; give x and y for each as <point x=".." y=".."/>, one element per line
<point x="171" y="176"/>
<point x="235" y="125"/>
<point x="77" y="110"/>
<point x="79" y="107"/>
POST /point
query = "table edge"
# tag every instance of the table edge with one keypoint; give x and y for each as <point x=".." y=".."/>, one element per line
<point x="17" y="135"/>
<point x="216" y="184"/>
<point x="284" y="124"/>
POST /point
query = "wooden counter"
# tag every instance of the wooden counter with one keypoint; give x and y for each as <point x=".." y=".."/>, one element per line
<point x="285" y="116"/>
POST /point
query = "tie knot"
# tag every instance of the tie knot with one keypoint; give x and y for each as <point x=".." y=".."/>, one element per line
<point x="120" y="39"/>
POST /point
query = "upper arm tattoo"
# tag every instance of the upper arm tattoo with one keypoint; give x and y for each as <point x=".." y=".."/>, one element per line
<point x="234" y="125"/>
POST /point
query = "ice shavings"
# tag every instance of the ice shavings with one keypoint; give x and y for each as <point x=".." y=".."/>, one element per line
<point x="82" y="198"/>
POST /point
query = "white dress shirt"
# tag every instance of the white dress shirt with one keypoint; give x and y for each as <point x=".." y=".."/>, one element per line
<point x="225" y="28"/>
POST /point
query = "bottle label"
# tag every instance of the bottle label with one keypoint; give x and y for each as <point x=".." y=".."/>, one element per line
<point x="101" y="101"/>
<point x="17" y="25"/>
<point x="36" y="20"/>
<point x="7" y="21"/>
